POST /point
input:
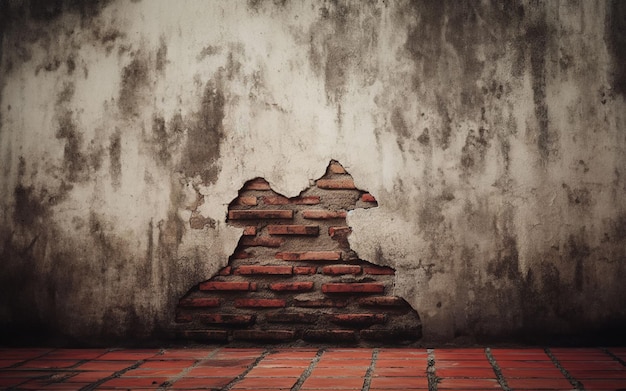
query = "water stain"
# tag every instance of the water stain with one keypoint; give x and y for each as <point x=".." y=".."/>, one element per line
<point x="161" y="55"/>
<point x="115" y="158"/>
<point x="475" y="148"/>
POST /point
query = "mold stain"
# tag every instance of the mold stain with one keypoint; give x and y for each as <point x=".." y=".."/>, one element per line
<point x="115" y="158"/>
<point x="475" y="148"/>
<point x="135" y="81"/>
<point x="74" y="160"/>
<point x="205" y="134"/>
<point x="161" y="56"/>
<point x="616" y="37"/>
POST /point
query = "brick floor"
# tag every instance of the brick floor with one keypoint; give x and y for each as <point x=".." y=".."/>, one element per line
<point x="310" y="369"/>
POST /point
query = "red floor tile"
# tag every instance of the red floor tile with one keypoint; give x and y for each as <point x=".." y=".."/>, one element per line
<point x="343" y="363"/>
<point x="215" y="371"/>
<point x="158" y="364"/>
<point x="7" y="382"/>
<point x="75" y="354"/>
<point x="333" y="383"/>
<point x="88" y="377"/>
<point x="395" y="382"/>
<point x="526" y="364"/>
<point x="349" y="371"/>
<point x="468" y="384"/>
<point x="271" y="383"/>
<point x="462" y="364"/>
<point x="401" y="372"/>
<point x="201" y="382"/>
<point x="460" y="356"/>
<point x="587" y="374"/>
<point x="105" y="365"/>
<point x="539" y="384"/>
<point x="134" y="382"/>
<point x="128" y="355"/>
<point x="10" y="362"/>
<point x="275" y="372"/>
<point x="478" y="373"/>
<point x="295" y="355"/>
<point x="41" y="363"/>
<point x="182" y="354"/>
<point x="411" y="363"/>
<point x="23" y="354"/>
<point x="607" y="384"/>
<point x="594" y="365"/>
<point x="168" y="372"/>
<point x="532" y="373"/>
<point x="43" y="385"/>
<point x="226" y="363"/>
<point x="362" y="354"/>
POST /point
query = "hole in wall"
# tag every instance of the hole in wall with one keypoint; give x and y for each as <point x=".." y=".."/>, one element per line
<point x="293" y="277"/>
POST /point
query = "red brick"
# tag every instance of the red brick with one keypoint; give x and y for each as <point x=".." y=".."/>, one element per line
<point x="228" y="286"/>
<point x="246" y="200"/>
<point x="249" y="230"/>
<point x="310" y="256"/>
<point x="336" y="270"/>
<point x="258" y="214"/>
<point x="241" y="255"/>
<point x="357" y="319"/>
<point x="300" y="286"/>
<point x="320" y="303"/>
<point x="261" y="241"/>
<point x="304" y="270"/>
<point x="296" y="317"/>
<point x="336" y="168"/>
<point x="265" y="335"/>
<point x="280" y="200"/>
<point x="336" y="183"/>
<point x="383" y="301"/>
<point x="225" y="271"/>
<point x="227" y="319"/>
<point x="324" y="214"/>
<point x="374" y="270"/>
<point x="339" y="231"/>
<point x="367" y="197"/>
<point x="329" y="335"/>
<point x="264" y="270"/>
<point x="206" y="335"/>
<point x="200" y="302"/>
<point x="309" y="230"/>
<point x="257" y="184"/>
<point x="183" y="318"/>
<point x="260" y="303"/>
<point x="358" y="287"/>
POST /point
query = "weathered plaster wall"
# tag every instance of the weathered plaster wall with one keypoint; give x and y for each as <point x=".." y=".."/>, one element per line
<point x="492" y="134"/>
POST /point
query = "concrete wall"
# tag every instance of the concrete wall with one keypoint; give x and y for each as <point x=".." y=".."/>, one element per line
<point x="492" y="134"/>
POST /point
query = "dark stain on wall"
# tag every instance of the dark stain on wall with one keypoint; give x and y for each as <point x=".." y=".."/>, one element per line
<point x="578" y="197"/>
<point x="115" y="158"/>
<point x="205" y="134"/>
<point x="75" y="164"/>
<point x="161" y="56"/>
<point x="475" y="148"/>
<point x="135" y="81"/>
<point x="616" y="37"/>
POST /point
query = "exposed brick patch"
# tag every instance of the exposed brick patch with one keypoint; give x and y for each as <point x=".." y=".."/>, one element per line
<point x="264" y="270"/>
<point x="365" y="287"/>
<point x="257" y="184"/>
<point x="357" y="320"/>
<point x="383" y="301"/>
<point x="336" y="270"/>
<point x="260" y="303"/>
<point x="324" y="214"/>
<point x="286" y="282"/>
<point x="264" y="335"/>
<point x="293" y="317"/>
<point x="260" y="214"/>
<point x="280" y="200"/>
<point x="304" y="270"/>
<point x="336" y="183"/>
<point x="301" y="286"/>
<point x="367" y="197"/>
<point x="330" y="336"/>
<point x="320" y="303"/>
<point x="261" y="241"/>
<point x="200" y="302"/>
<point x="227" y="319"/>
<point x="309" y="230"/>
<point x="247" y="200"/>
<point x="249" y="231"/>
<point x="310" y="256"/>
<point x="228" y="286"/>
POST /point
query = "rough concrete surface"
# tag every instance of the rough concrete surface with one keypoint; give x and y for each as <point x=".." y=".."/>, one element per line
<point x="492" y="134"/>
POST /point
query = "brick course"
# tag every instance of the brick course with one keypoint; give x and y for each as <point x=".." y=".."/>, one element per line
<point x="294" y="277"/>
